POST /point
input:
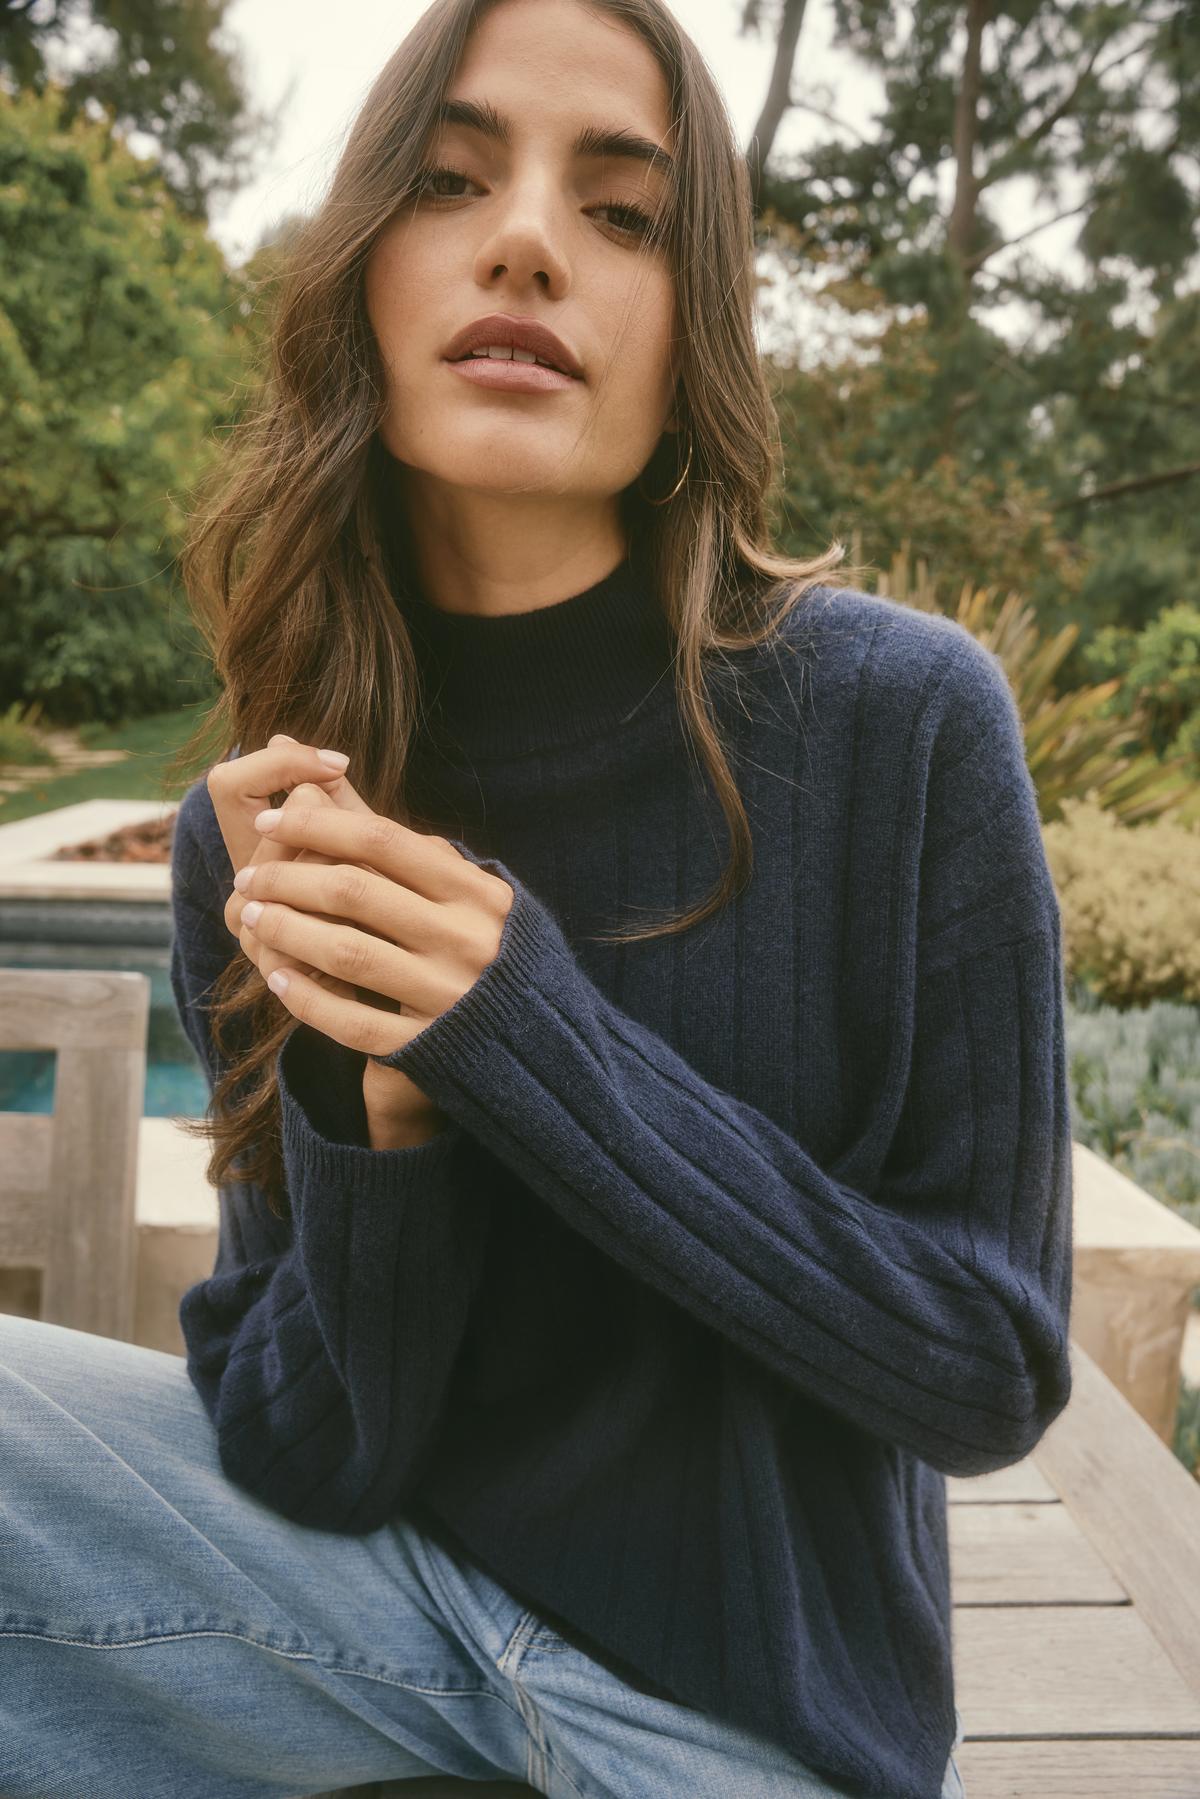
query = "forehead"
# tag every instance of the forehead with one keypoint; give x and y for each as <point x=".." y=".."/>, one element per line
<point x="549" y="65"/>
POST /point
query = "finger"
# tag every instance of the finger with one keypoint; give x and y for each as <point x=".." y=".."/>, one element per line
<point x="348" y="893"/>
<point x="380" y="966"/>
<point x="241" y="787"/>
<point x="267" y="961"/>
<point x="347" y="1021"/>
<point x="337" y="788"/>
<point x="278" y="767"/>
<point x="267" y="850"/>
<point x="429" y="865"/>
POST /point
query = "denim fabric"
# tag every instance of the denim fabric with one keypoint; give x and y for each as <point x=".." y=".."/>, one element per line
<point x="163" y="1635"/>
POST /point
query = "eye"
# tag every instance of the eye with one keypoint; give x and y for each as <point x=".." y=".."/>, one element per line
<point x="642" y="224"/>
<point x="427" y="178"/>
<point x="634" y="221"/>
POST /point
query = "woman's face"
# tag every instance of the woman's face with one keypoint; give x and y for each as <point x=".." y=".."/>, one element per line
<point x="532" y="229"/>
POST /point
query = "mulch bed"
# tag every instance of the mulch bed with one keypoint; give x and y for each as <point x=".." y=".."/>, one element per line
<point x="148" y="842"/>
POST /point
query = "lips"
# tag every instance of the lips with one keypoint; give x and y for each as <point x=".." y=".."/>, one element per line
<point x="521" y="334"/>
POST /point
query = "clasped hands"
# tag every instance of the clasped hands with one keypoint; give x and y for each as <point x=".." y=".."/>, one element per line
<point x="365" y="929"/>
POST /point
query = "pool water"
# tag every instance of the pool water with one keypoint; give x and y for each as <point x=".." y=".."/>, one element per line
<point x="175" y="1082"/>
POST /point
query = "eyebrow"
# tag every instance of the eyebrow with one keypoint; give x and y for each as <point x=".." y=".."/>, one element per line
<point x="593" y="140"/>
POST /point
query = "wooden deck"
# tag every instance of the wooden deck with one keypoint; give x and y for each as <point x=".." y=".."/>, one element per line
<point x="1076" y="1583"/>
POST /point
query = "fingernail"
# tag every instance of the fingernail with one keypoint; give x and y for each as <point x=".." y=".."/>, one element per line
<point x="266" y="821"/>
<point x="277" y="981"/>
<point x="243" y="878"/>
<point x="334" y="758"/>
<point x="252" y="912"/>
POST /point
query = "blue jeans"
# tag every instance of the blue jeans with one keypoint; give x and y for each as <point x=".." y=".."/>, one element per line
<point x="163" y="1635"/>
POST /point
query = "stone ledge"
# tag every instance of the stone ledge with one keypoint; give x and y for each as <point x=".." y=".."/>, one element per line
<point x="26" y="845"/>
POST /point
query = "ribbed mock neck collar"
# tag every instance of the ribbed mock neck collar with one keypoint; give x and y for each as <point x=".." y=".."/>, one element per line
<point x="518" y="681"/>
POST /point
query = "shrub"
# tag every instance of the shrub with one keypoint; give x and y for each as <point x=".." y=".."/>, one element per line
<point x="1159" y="672"/>
<point x="1089" y="742"/>
<point x="1135" y="1092"/>
<point x="19" y="741"/>
<point x="1130" y="901"/>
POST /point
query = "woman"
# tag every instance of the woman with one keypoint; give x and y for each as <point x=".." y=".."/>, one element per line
<point x="599" y="1306"/>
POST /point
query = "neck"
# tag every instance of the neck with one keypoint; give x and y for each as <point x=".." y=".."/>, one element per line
<point x="492" y="554"/>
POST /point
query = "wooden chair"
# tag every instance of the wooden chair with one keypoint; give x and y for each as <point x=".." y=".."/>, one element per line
<point x="68" y="1183"/>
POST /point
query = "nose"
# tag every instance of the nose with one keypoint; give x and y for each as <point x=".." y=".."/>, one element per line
<point x="524" y="240"/>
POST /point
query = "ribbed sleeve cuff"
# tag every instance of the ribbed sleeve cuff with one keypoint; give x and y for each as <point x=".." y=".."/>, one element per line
<point x="317" y="1089"/>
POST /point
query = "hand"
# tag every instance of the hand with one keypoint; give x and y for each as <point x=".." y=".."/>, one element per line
<point x="424" y="922"/>
<point x="237" y="790"/>
<point x="394" y="1103"/>
<point x="268" y="960"/>
<point x="240" y="788"/>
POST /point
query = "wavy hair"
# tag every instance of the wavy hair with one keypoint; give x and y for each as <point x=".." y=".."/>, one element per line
<point x="295" y="567"/>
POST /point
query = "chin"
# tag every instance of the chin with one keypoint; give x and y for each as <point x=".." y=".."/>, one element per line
<point x="500" y="472"/>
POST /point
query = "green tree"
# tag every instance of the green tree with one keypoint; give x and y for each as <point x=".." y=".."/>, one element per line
<point x="1086" y="433"/>
<point x="122" y="340"/>
<point x="1159" y="672"/>
<point x="154" y="66"/>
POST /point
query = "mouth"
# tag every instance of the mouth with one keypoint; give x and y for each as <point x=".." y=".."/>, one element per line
<point x="509" y="374"/>
<point x="526" y="340"/>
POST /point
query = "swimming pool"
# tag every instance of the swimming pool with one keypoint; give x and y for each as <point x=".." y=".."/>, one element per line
<point x="175" y="1083"/>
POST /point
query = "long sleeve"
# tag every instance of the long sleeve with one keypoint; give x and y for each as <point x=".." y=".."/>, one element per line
<point x="932" y="1310"/>
<point x="322" y="1346"/>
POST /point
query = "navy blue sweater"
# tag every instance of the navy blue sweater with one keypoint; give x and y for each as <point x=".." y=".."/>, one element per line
<point x="737" y="1241"/>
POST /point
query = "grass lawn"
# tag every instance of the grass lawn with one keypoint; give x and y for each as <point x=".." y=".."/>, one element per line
<point x="151" y="743"/>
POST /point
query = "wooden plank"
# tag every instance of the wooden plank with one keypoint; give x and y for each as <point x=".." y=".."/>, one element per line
<point x="81" y="1231"/>
<point x="28" y="1139"/>
<point x="101" y="1009"/>
<point x="1071" y="1769"/>
<point x="1026" y="1555"/>
<point x="1069" y="1670"/>
<point x="1136" y="1503"/>
<point x="1024" y="1480"/>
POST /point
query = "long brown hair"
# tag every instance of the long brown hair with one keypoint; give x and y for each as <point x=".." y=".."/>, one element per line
<point x="293" y="562"/>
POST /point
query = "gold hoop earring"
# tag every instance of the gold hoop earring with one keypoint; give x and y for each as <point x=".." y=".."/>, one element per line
<point x="678" y="485"/>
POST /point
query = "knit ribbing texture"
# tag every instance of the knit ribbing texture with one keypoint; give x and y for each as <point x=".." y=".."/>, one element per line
<point x="739" y="1240"/>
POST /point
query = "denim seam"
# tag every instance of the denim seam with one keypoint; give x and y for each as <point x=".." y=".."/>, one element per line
<point x="523" y="1638"/>
<point x="292" y="1655"/>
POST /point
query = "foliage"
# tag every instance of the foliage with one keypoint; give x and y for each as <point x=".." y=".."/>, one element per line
<point x="1130" y="903"/>
<point x="1026" y="423"/>
<point x="157" y="67"/>
<point x="1075" y="746"/>
<point x="120" y="346"/>
<point x="19" y="740"/>
<point x="865" y="451"/>
<point x="1158" y="669"/>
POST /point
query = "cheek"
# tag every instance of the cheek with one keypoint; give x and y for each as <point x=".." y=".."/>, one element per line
<point x="392" y="297"/>
<point x="642" y="363"/>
